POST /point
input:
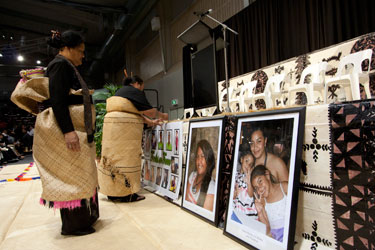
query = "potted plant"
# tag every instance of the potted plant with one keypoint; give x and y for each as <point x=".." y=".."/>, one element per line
<point x="100" y="98"/>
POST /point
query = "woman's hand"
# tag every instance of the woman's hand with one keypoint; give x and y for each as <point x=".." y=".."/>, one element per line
<point x="72" y="141"/>
<point x="157" y="122"/>
<point x="262" y="213"/>
<point x="250" y="190"/>
<point x="152" y="122"/>
<point x="235" y="193"/>
<point x="163" y="116"/>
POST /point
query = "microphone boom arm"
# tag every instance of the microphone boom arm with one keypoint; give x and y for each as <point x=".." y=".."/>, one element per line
<point x="225" y="27"/>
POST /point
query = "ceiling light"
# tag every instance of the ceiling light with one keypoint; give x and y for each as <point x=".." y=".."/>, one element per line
<point x="1" y="55"/>
<point x="38" y="62"/>
<point x="20" y="58"/>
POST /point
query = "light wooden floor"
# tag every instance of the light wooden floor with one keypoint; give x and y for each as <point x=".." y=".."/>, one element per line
<point x="150" y="224"/>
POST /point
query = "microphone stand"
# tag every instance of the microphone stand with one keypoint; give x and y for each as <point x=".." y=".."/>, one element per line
<point x="224" y="29"/>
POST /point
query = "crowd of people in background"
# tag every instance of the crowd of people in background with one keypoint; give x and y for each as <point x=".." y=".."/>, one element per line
<point x="16" y="134"/>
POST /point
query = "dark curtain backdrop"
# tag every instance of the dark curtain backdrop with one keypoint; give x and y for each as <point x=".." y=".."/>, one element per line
<point x="271" y="31"/>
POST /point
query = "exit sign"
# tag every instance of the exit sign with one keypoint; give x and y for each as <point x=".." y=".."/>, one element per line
<point x="174" y="102"/>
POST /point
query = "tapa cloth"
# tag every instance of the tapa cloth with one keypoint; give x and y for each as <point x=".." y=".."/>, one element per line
<point x="314" y="215"/>
<point x="65" y="175"/>
<point x="119" y="170"/>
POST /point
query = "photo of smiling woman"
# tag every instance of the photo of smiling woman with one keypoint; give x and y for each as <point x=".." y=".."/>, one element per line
<point x="202" y="168"/>
<point x="201" y="186"/>
<point x="258" y="146"/>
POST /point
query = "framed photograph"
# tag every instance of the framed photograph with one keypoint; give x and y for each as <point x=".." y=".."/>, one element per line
<point x="262" y="207"/>
<point x="158" y="175"/>
<point x="152" y="174"/>
<point x="160" y="140"/>
<point x="147" y="170"/>
<point x="202" y="168"/>
<point x="153" y="140"/>
<point x="173" y="183"/>
<point x="162" y="168"/>
<point x="165" y="178"/>
<point x="168" y="145"/>
<point x="176" y="138"/>
<point x="175" y="165"/>
<point x="147" y="142"/>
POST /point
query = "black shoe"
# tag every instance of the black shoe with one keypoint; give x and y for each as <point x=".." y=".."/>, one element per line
<point x="89" y="230"/>
<point x="114" y="198"/>
<point x="132" y="198"/>
<point x="129" y="198"/>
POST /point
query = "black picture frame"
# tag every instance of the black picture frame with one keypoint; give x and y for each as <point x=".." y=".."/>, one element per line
<point x="209" y="130"/>
<point x="247" y="226"/>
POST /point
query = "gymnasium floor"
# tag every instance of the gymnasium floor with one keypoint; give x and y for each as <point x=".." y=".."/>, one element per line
<point x="153" y="223"/>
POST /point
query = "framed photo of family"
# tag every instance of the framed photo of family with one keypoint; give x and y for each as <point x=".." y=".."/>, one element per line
<point x="202" y="168"/>
<point x="262" y="207"/>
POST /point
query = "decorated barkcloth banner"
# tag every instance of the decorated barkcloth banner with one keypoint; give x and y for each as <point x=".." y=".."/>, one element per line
<point x="337" y="204"/>
<point x="353" y="172"/>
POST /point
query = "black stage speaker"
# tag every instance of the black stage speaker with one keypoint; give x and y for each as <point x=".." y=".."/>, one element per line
<point x="199" y="67"/>
<point x="204" y="83"/>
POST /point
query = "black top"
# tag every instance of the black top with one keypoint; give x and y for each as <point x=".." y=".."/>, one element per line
<point x="62" y="78"/>
<point x="136" y="96"/>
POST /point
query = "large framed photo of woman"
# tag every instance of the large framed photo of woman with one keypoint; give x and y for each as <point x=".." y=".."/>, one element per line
<point x="202" y="168"/>
<point x="262" y="207"/>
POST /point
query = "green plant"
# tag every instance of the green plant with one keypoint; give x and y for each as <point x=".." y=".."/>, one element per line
<point x="101" y="111"/>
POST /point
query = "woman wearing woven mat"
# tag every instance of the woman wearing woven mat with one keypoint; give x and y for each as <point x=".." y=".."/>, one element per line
<point x="63" y="149"/>
<point x="274" y="164"/>
<point x="120" y="165"/>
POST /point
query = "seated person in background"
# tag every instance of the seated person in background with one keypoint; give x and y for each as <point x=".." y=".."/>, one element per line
<point x="8" y="153"/>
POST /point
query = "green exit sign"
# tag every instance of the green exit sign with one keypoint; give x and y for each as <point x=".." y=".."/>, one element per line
<point x="174" y="102"/>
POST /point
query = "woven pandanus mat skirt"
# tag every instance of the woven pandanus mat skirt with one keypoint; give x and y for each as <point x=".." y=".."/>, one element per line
<point x="65" y="175"/>
<point x="119" y="170"/>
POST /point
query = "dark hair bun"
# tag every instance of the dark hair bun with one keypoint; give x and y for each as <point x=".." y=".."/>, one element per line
<point x="127" y="81"/>
<point x="55" y="42"/>
<point x="69" y="38"/>
<point x="131" y="79"/>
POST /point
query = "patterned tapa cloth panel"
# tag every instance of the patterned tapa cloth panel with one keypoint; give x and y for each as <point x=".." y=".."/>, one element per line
<point x="353" y="171"/>
<point x="230" y="128"/>
<point x="314" y="214"/>
<point x="336" y="201"/>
